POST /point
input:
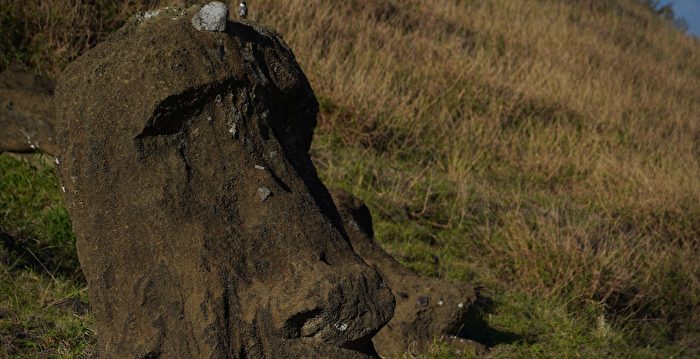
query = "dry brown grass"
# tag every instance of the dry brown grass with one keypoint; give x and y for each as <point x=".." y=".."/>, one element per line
<point x="561" y="140"/>
<point x="542" y="146"/>
<point x="44" y="35"/>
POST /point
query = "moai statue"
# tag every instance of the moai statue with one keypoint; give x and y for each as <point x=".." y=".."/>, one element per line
<point x="203" y="229"/>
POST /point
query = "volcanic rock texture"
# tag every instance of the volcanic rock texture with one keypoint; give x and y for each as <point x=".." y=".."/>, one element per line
<point x="203" y="229"/>
<point x="427" y="309"/>
<point x="26" y="113"/>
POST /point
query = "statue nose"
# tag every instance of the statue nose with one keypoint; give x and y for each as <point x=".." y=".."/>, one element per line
<point x="341" y="309"/>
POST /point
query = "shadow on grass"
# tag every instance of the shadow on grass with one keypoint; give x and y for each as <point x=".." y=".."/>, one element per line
<point x="40" y="257"/>
<point x="476" y="327"/>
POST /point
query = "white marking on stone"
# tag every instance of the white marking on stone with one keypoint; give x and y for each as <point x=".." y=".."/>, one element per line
<point x="263" y="193"/>
<point x="151" y="13"/>
<point x="257" y="167"/>
<point x="232" y="119"/>
<point x="440" y="302"/>
<point x="63" y="189"/>
<point x="341" y="326"/>
<point x="57" y="161"/>
<point x="211" y="17"/>
<point x="460" y="305"/>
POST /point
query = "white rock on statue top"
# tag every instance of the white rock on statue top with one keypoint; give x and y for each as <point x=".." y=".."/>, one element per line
<point x="211" y="17"/>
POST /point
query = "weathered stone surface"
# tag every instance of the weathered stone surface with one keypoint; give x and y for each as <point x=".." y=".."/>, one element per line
<point x="164" y="126"/>
<point x="426" y="308"/>
<point x="26" y="113"/>
<point x="211" y="17"/>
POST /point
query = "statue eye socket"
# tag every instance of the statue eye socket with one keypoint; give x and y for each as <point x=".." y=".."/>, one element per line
<point x="171" y="114"/>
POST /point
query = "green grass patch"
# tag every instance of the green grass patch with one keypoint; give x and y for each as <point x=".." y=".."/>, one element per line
<point x="32" y="213"/>
<point x="43" y="317"/>
<point x="43" y="300"/>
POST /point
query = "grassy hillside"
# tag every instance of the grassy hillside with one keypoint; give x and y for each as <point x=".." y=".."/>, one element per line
<point x="545" y="150"/>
